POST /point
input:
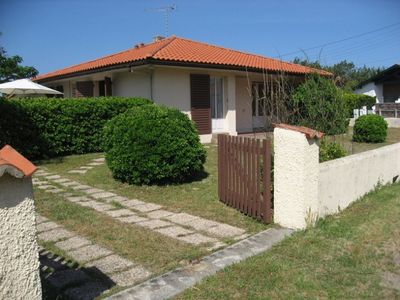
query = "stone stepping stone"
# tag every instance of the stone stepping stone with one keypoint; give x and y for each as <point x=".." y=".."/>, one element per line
<point x="202" y="224"/>
<point x="54" y="191"/>
<point x="131" y="276"/>
<point x="87" y="291"/>
<point x="119" y="213"/>
<point x="42" y="174"/>
<point x="181" y="218"/>
<point x="197" y="239"/>
<point x="102" y="195"/>
<point x="46" y="187"/>
<point x="159" y="214"/>
<point x="40" y="219"/>
<point x="225" y="230"/>
<point x="98" y="206"/>
<point x="146" y="207"/>
<point x="100" y="159"/>
<point x="64" y="278"/>
<point x="46" y="226"/>
<point x="131" y="219"/>
<point x="111" y="264"/>
<point x="132" y="203"/>
<point x="81" y="187"/>
<point x="88" y="253"/>
<point x="55" y="235"/>
<point x="40" y="182"/>
<point x="174" y="231"/>
<point x="78" y="198"/>
<point x="152" y="224"/>
<point x="72" y="243"/>
<point x="60" y="180"/>
<point x="86" y="167"/>
<point x="118" y="199"/>
<point x="77" y="171"/>
<point x="53" y="177"/>
<point x="95" y="163"/>
<point x="70" y="183"/>
<point x="92" y="191"/>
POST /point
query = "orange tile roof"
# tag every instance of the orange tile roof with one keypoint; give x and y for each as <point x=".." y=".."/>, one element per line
<point x="10" y="157"/>
<point x="176" y="49"/>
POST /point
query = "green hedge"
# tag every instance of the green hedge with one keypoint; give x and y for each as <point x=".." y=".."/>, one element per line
<point x="357" y="101"/>
<point x="49" y="127"/>
<point x="330" y="150"/>
<point x="153" y="145"/>
<point x="370" y="129"/>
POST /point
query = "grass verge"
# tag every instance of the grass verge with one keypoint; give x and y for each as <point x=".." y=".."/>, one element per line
<point x="345" y="256"/>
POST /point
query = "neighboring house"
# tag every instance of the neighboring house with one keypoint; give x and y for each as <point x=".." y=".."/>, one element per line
<point x="385" y="86"/>
<point x="209" y="83"/>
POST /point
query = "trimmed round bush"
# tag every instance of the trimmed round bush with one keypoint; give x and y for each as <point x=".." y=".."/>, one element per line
<point x="370" y="129"/>
<point x="153" y="145"/>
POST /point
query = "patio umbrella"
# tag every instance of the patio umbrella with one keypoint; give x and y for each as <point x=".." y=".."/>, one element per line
<point x="25" y="87"/>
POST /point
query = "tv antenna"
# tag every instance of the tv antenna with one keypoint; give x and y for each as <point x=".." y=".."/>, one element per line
<point x="166" y="10"/>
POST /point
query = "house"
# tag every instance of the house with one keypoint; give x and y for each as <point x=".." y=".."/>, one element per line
<point x="385" y="86"/>
<point x="213" y="85"/>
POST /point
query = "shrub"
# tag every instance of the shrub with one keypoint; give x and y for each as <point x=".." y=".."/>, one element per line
<point x="370" y="129"/>
<point x="319" y="104"/>
<point x="153" y="145"/>
<point x="357" y="101"/>
<point x="330" y="150"/>
<point x="48" y="127"/>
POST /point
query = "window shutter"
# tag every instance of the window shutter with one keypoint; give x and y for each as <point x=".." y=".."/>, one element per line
<point x="200" y="102"/>
<point x="84" y="89"/>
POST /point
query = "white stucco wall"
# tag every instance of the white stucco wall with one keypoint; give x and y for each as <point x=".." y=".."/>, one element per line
<point x="344" y="180"/>
<point x="171" y="87"/>
<point x="19" y="259"/>
<point x="373" y="90"/>
<point x="126" y="84"/>
<point x="295" y="179"/>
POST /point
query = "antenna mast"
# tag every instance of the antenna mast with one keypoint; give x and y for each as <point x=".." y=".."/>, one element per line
<point x="166" y="10"/>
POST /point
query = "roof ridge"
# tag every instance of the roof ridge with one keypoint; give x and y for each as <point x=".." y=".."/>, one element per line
<point x="171" y="39"/>
<point x="248" y="53"/>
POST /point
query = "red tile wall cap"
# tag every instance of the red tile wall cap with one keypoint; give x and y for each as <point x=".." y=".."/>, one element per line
<point x="310" y="133"/>
<point x="9" y="157"/>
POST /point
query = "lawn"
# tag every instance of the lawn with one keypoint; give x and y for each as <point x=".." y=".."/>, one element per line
<point x="352" y="147"/>
<point x="352" y="255"/>
<point x="198" y="198"/>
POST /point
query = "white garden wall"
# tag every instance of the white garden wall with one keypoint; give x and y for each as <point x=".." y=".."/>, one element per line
<point x="342" y="181"/>
<point x="305" y="190"/>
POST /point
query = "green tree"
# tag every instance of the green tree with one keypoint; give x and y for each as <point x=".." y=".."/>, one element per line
<point x="346" y="74"/>
<point x="319" y="104"/>
<point x="11" y="68"/>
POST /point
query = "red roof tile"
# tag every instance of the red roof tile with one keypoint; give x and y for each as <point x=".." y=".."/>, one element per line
<point x="10" y="157"/>
<point x="310" y="133"/>
<point x="176" y="49"/>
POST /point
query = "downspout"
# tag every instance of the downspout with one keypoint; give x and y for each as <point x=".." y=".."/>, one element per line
<point x="151" y="68"/>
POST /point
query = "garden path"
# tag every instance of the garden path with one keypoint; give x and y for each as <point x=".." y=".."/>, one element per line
<point x="180" y="226"/>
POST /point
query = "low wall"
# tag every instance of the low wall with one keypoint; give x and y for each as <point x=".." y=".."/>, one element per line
<point x="301" y="196"/>
<point x="392" y="122"/>
<point x="342" y="181"/>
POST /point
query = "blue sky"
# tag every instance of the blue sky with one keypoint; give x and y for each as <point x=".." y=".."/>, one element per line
<point x="51" y="34"/>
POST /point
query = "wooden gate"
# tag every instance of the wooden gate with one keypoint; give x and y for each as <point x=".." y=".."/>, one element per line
<point x="244" y="175"/>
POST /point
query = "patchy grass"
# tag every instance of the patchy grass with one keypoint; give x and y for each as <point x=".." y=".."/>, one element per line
<point x="346" y="256"/>
<point x="352" y="147"/>
<point x="198" y="197"/>
<point x="148" y="248"/>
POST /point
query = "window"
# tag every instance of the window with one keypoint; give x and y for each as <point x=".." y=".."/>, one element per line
<point x="217" y="97"/>
<point x="258" y="103"/>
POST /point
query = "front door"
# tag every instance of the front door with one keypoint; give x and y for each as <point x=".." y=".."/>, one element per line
<point x="217" y="103"/>
<point x="200" y="102"/>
